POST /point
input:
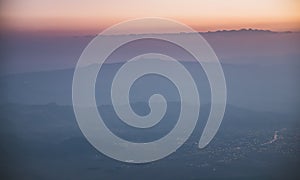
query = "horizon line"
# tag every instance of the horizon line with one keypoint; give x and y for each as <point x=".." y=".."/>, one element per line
<point x="81" y="34"/>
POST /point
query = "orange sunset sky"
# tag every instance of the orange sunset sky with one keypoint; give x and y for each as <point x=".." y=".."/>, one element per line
<point x="91" y="16"/>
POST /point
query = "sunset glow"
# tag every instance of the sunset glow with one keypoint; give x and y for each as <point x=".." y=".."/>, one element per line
<point x="92" y="16"/>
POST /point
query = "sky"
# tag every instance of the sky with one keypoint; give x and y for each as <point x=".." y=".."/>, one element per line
<point x="92" y="16"/>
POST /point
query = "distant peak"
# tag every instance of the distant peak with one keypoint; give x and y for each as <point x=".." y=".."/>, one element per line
<point x="244" y="30"/>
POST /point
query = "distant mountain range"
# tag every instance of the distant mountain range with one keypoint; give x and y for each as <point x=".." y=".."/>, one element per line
<point x="39" y="52"/>
<point x="248" y="30"/>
